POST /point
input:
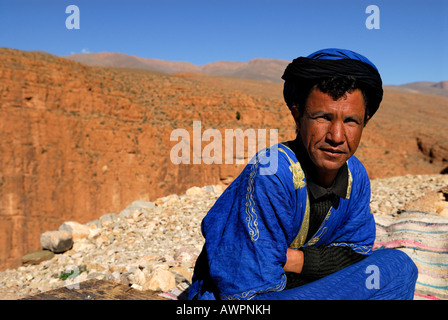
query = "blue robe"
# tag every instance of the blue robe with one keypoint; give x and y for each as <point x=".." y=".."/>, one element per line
<point x="264" y="212"/>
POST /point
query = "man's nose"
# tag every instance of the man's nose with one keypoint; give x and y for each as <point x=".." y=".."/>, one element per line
<point x="336" y="134"/>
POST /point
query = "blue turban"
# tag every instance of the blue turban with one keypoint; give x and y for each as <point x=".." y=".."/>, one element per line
<point x="328" y="63"/>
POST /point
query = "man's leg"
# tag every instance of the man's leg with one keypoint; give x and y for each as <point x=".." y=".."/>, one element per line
<point x="387" y="274"/>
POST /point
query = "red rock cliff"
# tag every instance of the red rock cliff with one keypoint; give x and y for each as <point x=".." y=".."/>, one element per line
<point x="78" y="142"/>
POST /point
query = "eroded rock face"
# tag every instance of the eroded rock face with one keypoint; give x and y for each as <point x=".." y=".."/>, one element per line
<point x="79" y="142"/>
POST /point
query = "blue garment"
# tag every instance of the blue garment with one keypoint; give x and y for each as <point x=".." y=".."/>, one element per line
<point x="386" y="274"/>
<point x="264" y="212"/>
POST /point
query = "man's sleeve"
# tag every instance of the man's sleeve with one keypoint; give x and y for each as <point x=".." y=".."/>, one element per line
<point x="322" y="261"/>
<point x="249" y="257"/>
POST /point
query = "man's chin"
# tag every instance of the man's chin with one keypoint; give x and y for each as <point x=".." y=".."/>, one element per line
<point x="331" y="166"/>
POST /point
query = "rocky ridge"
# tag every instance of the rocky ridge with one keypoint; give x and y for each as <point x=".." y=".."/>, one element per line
<point x="154" y="245"/>
<point x="78" y="142"/>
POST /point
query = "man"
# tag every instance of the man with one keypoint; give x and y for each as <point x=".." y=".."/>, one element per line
<point x="305" y="230"/>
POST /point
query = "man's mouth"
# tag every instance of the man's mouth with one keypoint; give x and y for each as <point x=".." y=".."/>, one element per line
<point x="332" y="151"/>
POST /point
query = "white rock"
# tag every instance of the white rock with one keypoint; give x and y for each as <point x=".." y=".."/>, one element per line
<point x="109" y="219"/>
<point x="139" y="277"/>
<point x="82" y="246"/>
<point x="160" y="280"/>
<point x="77" y="229"/>
<point x="57" y="241"/>
<point x="147" y="205"/>
<point x="195" y="191"/>
<point x="136" y="286"/>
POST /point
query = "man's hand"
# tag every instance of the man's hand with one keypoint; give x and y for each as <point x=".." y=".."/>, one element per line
<point x="294" y="261"/>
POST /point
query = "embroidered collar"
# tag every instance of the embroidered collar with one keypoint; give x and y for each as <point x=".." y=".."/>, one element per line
<point x="340" y="183"/>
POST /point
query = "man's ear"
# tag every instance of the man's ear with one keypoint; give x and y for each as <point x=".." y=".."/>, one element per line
<point x="295" y="113"/>
<point x="366" y="120"/>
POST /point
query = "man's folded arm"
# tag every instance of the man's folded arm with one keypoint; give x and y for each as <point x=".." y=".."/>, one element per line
<point x="318" y="262"/>
<point x="322" y="261"/>
<point x="251" y="249"/>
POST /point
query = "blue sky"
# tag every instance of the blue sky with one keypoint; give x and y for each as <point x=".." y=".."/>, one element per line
<point x="411" y="44"/>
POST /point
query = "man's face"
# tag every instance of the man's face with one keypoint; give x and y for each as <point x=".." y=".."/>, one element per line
<point x="331" y="130"/>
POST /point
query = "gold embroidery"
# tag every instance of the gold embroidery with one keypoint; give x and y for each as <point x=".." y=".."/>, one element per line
<point x="316" y="237"/>
<point x="252" y="293"/>
<point x="298" y="176"/>
<point x="251" y="215"/>
<point x="358" y="249"/>
<point x="299" y="241"/>
<point x="349" y="187"/>
<point x="320" y="232"/>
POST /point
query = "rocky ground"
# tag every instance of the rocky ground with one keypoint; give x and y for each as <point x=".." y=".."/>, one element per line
<point x="154" y="245"/>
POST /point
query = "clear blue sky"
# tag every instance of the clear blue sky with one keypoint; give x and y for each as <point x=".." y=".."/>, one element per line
<point x="411" y="44"/>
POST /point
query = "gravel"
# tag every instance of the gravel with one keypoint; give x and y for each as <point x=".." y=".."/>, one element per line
<point x="154" y="246"/>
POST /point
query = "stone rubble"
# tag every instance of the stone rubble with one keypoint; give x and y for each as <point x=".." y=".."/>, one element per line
<point x="389" y="195"/>
<point x="154" y="245"/>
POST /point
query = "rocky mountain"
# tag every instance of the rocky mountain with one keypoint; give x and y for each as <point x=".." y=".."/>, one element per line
<point x="78" y="141"/>
<point x="427" y="87"/>
<point x="269" y="70"/>
<point x="257" y="69"/>
<point x="112" y="59"/>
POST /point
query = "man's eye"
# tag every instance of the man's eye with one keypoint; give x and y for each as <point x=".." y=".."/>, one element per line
<point x="324" y="117"/>
<point x="351" y="120"/>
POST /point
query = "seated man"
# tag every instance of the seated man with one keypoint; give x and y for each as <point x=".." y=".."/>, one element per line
<point x="305" y="230"/>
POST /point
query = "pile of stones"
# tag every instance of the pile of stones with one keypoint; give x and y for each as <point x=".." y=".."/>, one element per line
<point x="147" y="246"/>
<point x="154" y="245"/>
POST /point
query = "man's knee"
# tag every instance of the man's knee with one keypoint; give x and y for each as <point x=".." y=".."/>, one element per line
<point x="406" y="263"/>
<point x="398" y="273"/>
<point x="397" y="262"/>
